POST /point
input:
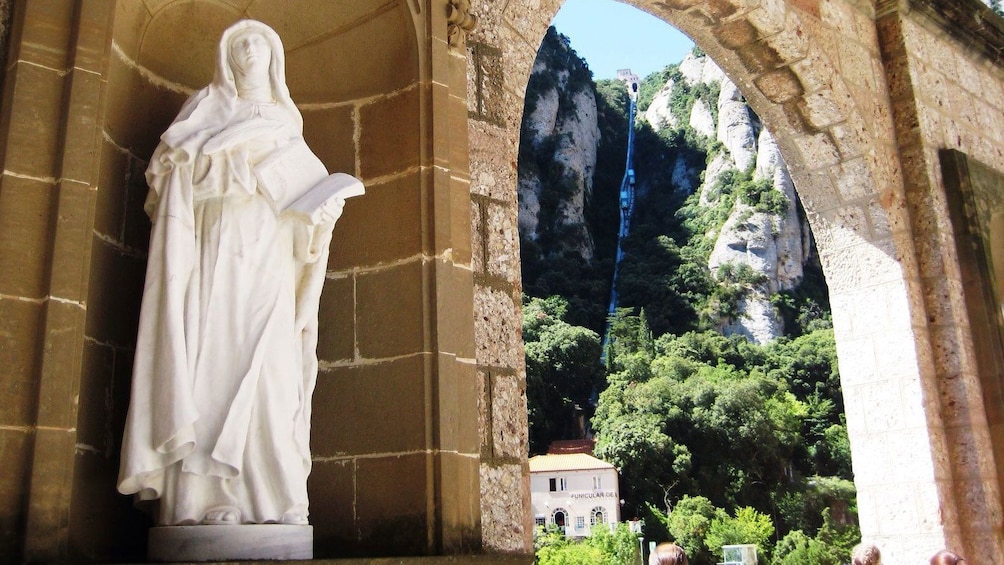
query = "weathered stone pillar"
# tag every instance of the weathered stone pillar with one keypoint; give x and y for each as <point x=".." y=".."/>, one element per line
<point x="500" y="53"/>
<point x="960" y="504"/>
<point x="50" y="139"/>
<point x="455" y="524"/>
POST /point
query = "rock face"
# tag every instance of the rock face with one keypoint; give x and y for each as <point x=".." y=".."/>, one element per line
<point x="692" y="69"/>
<point x="769" y="245"/>
<point x="658" y="114"/>
<point x="701" y="119"/>
<point x="735" y="127"/>
<point x="561" y="130"/>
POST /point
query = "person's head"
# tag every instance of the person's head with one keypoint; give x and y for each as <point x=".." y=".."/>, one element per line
<point x="865" y="554"/>
<point x="668" y="554"/>
<point x="945" y="557"/>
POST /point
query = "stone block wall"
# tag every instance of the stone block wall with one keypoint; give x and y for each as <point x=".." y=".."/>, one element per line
<point x="52" y="96"/>
<point x="944" y="75"/>
<point x="394" y="441"/>
<point x="500" y="53"/>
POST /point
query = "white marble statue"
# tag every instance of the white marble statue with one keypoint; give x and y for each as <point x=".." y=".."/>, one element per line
<point x="226" y="359"/>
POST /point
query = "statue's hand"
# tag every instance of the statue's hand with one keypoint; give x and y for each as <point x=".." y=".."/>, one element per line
<point x="332" y="210"/>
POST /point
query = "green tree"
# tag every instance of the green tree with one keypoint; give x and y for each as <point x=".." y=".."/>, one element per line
<point x="549" y="536"/>
<point x="656" y="521"/>
<point x="602" y="547"/>
<point x="653" y="276"/>
<point x="747" y="526"/>
<point x="689" y="523"/>
<point x="637" y="446"/>
<point x="571" y="554"/>
<point x="619" y="547"/>
<point x="563" y="371"/>
<point x="839" y="536"/>
<point x="796" y="548"/>
<point x="743" y="424"/>
<point x="628" y="334"/>
<point x="831" y="546"/>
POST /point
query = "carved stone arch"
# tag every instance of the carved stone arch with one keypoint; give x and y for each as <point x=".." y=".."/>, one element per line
<point x="814" y="73"/>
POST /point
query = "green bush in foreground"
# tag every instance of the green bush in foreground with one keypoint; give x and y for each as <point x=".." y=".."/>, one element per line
<point x="602" y="547"/>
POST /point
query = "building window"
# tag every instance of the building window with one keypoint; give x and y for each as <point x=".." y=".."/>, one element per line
<point x="597" y="483"/>
<point x="556" y="484"/>
<point x="598" y="516"/>
<point x="559" y="517"/>
<point x="540" y="521"/>
<point x="553" y="484"/>
<point x="580" y="522"/>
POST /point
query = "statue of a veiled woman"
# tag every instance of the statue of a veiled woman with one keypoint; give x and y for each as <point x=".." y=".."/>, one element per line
<point x="226" y="361"/>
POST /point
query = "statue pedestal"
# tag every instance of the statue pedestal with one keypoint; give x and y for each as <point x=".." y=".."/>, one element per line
<point x="227" y="543"/>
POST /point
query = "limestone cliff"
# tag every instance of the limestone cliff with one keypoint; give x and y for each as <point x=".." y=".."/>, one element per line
<point x="695" y="136"/>
<point x="560" y="137"/>
<point x="766" y="243"/>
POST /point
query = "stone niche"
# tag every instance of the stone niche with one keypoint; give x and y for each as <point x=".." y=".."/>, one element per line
<point x="353" y="69"/>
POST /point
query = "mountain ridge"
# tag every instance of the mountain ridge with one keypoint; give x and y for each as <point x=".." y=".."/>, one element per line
<point x="696" y="138"/>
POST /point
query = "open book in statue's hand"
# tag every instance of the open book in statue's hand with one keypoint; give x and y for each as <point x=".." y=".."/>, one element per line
<point x="295" y="181"/>
<point x="321" y="199"/>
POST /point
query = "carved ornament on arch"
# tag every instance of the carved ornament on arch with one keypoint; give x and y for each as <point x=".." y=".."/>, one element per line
<point x="460" y="22"/>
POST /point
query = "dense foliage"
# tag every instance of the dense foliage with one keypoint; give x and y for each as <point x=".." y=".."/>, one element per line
<point x="739" y="424"/>
<point x="563" y="371"/>
<point x="602" y="547"/>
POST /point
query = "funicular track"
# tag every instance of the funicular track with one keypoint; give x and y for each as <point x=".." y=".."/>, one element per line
<point x="627" y="199"/>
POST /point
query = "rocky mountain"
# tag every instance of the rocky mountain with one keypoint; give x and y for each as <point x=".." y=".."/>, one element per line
<point x="770" y="243"/>
<point x="995" y="5"/>
<point x="700" y="151"/>
<point x="560" y="137"/>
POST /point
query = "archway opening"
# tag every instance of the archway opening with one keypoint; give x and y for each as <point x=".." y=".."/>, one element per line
<point x="714" y="148"/>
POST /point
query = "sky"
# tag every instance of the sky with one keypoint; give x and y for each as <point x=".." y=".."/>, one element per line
<point x="610" y="36"/>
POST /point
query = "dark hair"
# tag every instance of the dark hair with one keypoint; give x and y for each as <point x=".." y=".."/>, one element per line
<point x="668" y="554"/>
<point x="945" y="557"/>
<point x="866" y="554"/>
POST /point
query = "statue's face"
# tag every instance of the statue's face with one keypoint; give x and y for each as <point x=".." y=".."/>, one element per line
<point x="251" y="54"/>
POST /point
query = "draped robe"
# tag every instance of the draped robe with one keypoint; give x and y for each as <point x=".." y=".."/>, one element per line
<point x="225" y="360"/>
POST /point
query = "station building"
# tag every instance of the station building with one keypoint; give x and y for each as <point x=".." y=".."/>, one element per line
<point x="574" y="491"/>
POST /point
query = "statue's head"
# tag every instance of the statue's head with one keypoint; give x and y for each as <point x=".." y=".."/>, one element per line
<point x="249" y="54"/>
<point x="251" y="50"/>
<point x="248" y="49"/>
